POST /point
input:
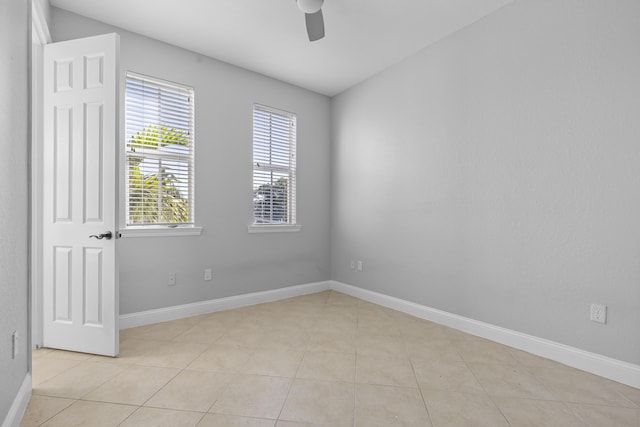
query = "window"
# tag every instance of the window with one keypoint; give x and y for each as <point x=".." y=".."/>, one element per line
<point x="159" y="153"/>
<point x="274" y="168"/>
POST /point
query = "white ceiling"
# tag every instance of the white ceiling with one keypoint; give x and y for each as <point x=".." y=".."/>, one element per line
<point x="363" y="37"/>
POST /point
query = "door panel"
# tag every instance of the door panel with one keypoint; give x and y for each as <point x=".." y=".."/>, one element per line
<point x="80" y="277"/>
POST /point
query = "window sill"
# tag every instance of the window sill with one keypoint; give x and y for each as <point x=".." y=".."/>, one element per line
<point x="160" y="231"/>
<point x="254" y="228"/>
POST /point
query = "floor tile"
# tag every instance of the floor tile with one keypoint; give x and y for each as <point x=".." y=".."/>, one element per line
<point x="277" y="362"/>
<point x="337" y="324"/>
<point x="94" y="414"/>
<point x="445" y="375"/>
<point x="302" y="320"/>
<point x="509" y="381"/>
<point x="372" y="324"/>
<point x="191" y="391"/>
<point x="44" y="368"/>
<point x="253" y="396"/>
<point x="538" y="413"/>
<point x="227" y="318"/>
<point x="70" y="355"/>
<point x="169" y="354"/>
<point x="282" y="423"/>
<point x="339" y="312"/>
<point x="134" y="386"/>
<point x="154" y="417"/>
<point x="346" y="316"/>
<point x="631" y="393"/>
<point x="335" y="342"/>
<point x="41" y="408"/>
<point x="206" y="333"/>
<point x="222" y="358"/>
<point x="165" y="331"/>
<point x="371" y="308"/>
<point x="339" y="299"/>
<point x="385" y="371"/>
<point x="572" y="385"/>
<point x="242" y="337"/>
<point x="323" y="402"/>
<point x="456" y="335"/>
<point x="606" y="416"/>
<point x="429" y="349"/>
<point x="135" y="332"/>
<point x="281" y="338"/>
<point x="423" y="330"/>
<point x="220" y="420"/>
<point x="452" y="409"/>
<point x="40" y="352"/>
<point x="475" y="351"/>
<point x="381" y="346"/>
<point x="79" y="380"/>
<point x="132" y="351"/>
<point x="328" y="366"/>
<point x="528" y="359"/>
<point x="389" y="406"/>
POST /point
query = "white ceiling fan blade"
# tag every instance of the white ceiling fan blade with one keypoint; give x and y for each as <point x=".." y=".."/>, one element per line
<point x="315" y="25"/>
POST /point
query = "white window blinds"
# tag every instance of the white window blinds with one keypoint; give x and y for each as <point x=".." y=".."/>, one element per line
<point x="159" y="152"/>
<point x="274" y="166"/>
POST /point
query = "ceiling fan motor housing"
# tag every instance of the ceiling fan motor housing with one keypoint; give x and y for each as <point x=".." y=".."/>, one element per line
<point x="310" y="6"/>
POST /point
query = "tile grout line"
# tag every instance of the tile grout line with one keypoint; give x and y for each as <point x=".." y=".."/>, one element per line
<point x="355" y="371"/>
<point x="466" y="363"/>
<point x="60" y="373"/>
<point x="295" y="375"/>
<point x="415" y="376"/>
<point x="165" y="385"/>
<point x="59" y="412"/>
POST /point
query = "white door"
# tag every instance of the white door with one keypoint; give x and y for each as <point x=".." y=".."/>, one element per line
<point x="81" y="116"/>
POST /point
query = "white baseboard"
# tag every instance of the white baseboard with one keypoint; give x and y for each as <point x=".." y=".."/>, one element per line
<point x="19" y="405"/>
<point x="616" y="370"/>
<point x="203" y="307"/>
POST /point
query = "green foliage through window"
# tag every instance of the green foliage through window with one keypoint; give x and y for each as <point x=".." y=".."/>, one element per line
<point x="155" y="193"/>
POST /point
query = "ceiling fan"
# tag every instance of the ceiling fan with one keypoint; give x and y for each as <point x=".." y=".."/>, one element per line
<point x="313" y="18"/>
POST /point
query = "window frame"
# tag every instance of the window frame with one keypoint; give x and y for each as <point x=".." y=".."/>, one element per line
<point x="158" y="230"/>
<point x="291" y="170"/>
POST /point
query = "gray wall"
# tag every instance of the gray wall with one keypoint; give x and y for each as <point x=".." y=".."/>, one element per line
<point x="496" y="174"/>
<point x="13" y="197"/>
<point x="241" y="262"/>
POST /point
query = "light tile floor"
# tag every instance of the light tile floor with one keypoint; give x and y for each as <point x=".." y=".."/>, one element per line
<point x="325" y="359"/>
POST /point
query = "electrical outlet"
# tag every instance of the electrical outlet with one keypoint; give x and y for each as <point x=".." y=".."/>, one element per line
<point x="599" y="313"/>
<point x="352" y="265"/>
<point x="172" y="279"/>
<point x="360" y="266"/>
<point x="14" y="344"/>
<point x="207" y="274"/>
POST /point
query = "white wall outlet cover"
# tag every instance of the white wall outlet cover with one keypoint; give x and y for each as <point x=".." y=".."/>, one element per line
<point x="207" y="274"/>
<point x="599" y="313"/>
